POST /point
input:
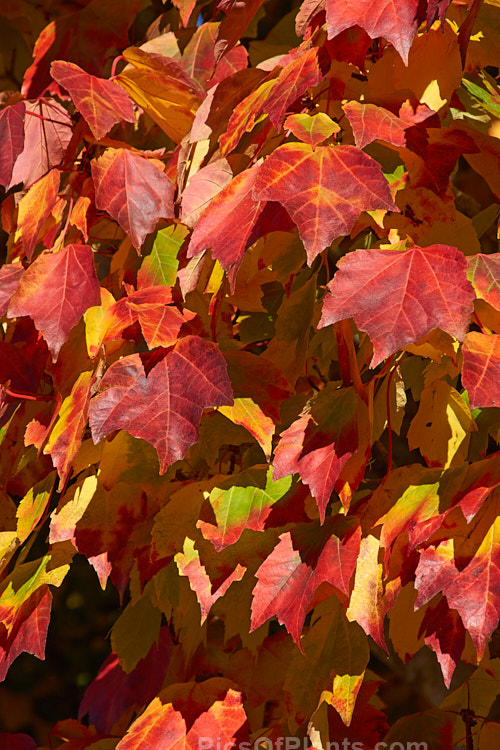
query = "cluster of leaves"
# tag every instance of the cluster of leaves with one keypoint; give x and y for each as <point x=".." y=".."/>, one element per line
<point x="250" y="360"/>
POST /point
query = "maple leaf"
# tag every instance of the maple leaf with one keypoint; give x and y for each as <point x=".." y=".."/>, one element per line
<point x="324" y="190"/>
<point x="133" y="191"/>
<point x="234" y="277"/>
<point x="472" y="591"/>
<point x="308" y="10"/>
<point x="198" y="57"/>
<point x="202" y="187"/>
<point x="445" y="634"/>
<point x="399" y="297"/>
<point x="47" y="133"/>
<point x="12" y="136"/>
<point x="481" y="368"/>
<point x="220" y="723"/>
<point x="368" y="723"/>
<point x="165" y="406"/>
<point x="66" y="436"/>
<point x="276" y="96"/>
<point x="304" y="71"/>
<point x="163" y="89"/>
<point x="414" y="509"/>
<point x="434" y="726"/>
<point x="259" y="379"/>
<point x="33" y="506"/>
<point x="25" y="602"/>
<point x="311" y="129"/>
<point x="160" y="323"/>
<point x="370" y="122"/>
<point x="249" y="415"/>
<point x="430" y="165"/>
<point x="29" y="631"/>
<point x="35" y="208"/>
<point x="160" y="266"/>
<point x="228" y="240"/>
<point x="396" y="20"/>
<point x="286" y="583"/>
<point x="242" y="502"/>
<point x="102" y="103"/>
<point x="244" y="115"/>
<point x="336" y="673"/>
<point x="55" y="291"/>
<point x="436" y="9"/>
<point x="158" y="726"/>
<point x="136" y="631"/>
<point x="320" y="455"/>
<point x="189" y="565"/>
<point x="484" y="275"/>
<point x="185" y="8"/>
<point x="446" y="440"/>
<point x="96" y="521"/>
<point x="211" y="118"/>
<point x="365" y="605"/>
<point x="10" y="276"/>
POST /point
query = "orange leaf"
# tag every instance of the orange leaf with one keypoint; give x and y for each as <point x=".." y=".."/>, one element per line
<point x="66" y="436"/>
<point x="35" y="208"/>
<point x="157" y="727"/>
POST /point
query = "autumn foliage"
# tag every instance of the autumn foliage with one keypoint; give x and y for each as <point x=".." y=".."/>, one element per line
<point x="250" y="364"/>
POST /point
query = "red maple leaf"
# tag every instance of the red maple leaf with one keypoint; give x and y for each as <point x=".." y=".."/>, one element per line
<point x="396" y="20"/>
<point x="102" y="102"/>
<point x="28" y="632"/>
<point x="12" y="138"/>
<point x="484" y="275"/>
<point x="398" y="297"/>
<point x="165" y="406"/>
<point x="287" y="579"/>
<point x="133" y="191"/>
<point x="481" y="369"/>
<point x="324" y="189"/>
<point x="370" y="122"/>
<point x="47" y="133"/>
<point x="55" y="291"/>
<point x="473" y="591"/>
<point x="10" y="276"/>
<point x="228" y="240"/>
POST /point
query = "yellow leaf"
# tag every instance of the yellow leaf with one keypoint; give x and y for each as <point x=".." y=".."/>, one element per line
<point x="344" y="693"/>
<point x="162" y="89"/>
<point x="248" y="414"/>
<point x="442" y="426"/>
<point x="64" y="519"/>
<point x="32" y="506"/>
<point x="96" y="323"/>
<point x="365" y="604"/>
